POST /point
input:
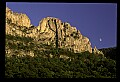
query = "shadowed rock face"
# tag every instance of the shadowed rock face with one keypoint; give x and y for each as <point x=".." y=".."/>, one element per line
<point x="68" y="36"/>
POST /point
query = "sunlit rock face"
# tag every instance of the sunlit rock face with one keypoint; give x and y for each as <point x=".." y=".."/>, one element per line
<point x="68" y="36"/>
<point x="18" y="18"/>
<point x="96" y="51"/>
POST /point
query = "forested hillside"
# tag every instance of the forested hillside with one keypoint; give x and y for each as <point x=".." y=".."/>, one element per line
<point x="109" y="52"/>
<point x="42" y="65"/>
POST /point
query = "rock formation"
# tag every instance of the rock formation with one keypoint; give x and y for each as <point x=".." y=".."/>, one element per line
<point x="96" y="51"/>
<point x="68" y="36"/>
<point x="17" y="18"/>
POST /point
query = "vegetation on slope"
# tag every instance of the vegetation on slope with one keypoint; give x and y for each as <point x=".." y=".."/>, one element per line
<point x="78" y="65"/>
<point x="84" y="65"/>
<point x="109" y="52"/>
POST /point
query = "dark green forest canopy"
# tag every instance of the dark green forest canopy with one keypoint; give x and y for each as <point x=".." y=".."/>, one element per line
<point x="83" y="66"/>
<point x="109" y="52"/>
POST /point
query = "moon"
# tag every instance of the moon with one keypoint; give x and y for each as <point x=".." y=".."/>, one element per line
<point x="100" y="39"/>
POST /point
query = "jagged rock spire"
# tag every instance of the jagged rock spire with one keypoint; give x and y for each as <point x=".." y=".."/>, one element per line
<point x="18" y="18"/>
<point x="96" y="51"/>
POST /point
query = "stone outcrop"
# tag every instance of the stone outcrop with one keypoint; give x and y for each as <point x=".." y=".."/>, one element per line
<point x="18" y="18"/>
<point x="96" y="51"/>
<point x="68" y="36"/>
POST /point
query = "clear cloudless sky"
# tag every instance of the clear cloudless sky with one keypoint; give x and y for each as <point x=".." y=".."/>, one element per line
<point x="97" y="21"/>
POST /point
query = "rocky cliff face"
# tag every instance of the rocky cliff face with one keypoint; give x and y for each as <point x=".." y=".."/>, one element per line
<point x="68" y="36"/>
<point x="17" y="18"/>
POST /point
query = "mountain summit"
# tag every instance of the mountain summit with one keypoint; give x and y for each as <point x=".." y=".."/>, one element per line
<point x="48" y="31"/>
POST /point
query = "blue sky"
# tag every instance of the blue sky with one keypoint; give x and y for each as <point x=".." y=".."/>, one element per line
<point x="94" y="20"/>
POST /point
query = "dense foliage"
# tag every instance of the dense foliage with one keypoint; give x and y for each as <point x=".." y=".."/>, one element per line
<point x="109" y="52"/>
<point x="84" y="65"/>
<point x="78" y="65"/>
